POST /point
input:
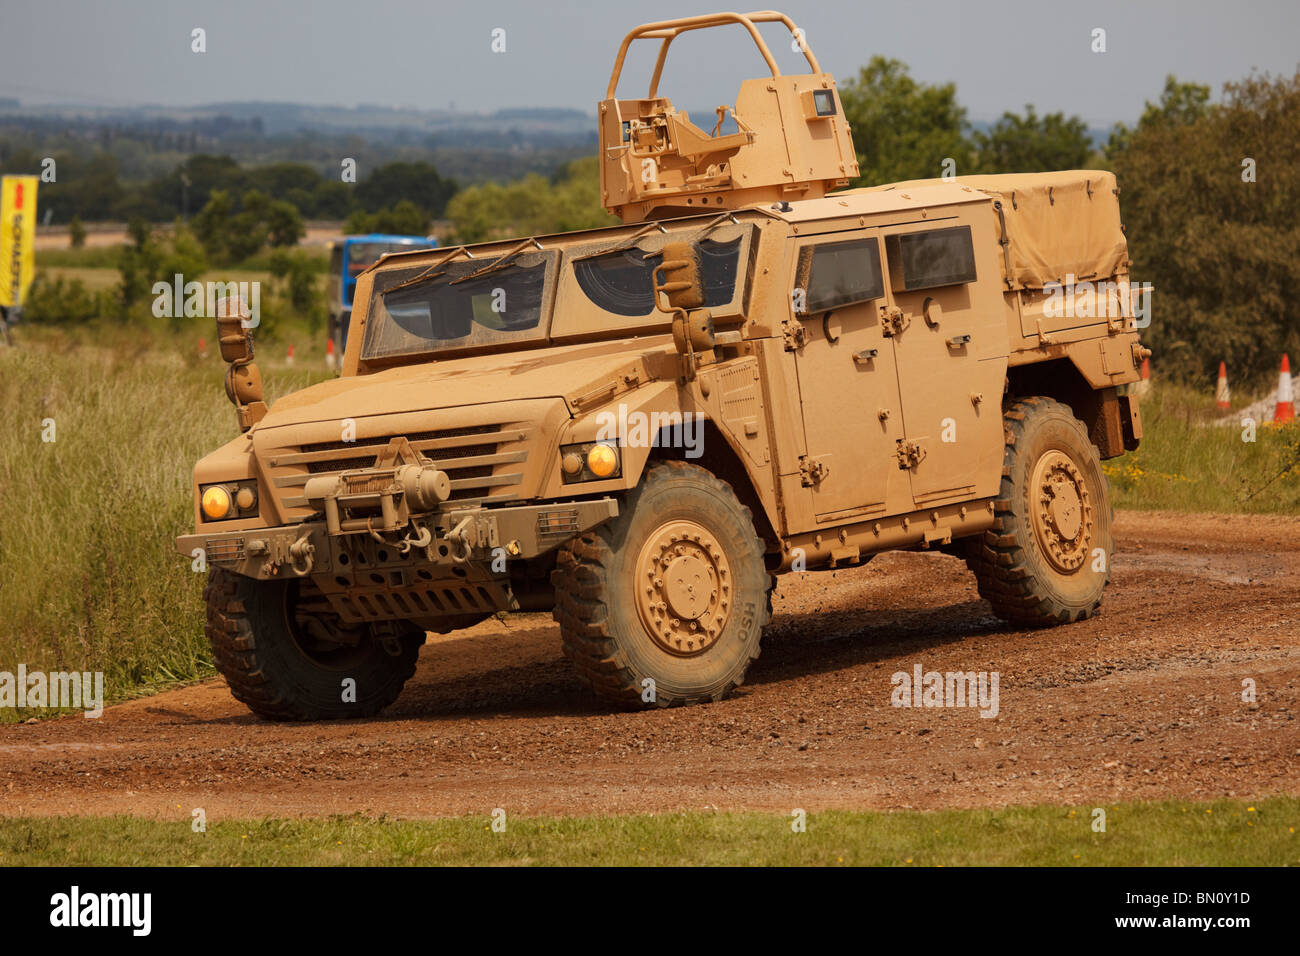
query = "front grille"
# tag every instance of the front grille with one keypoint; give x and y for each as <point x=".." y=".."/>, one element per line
<point x="335" y="464"/>
<point x="482" y="461"/>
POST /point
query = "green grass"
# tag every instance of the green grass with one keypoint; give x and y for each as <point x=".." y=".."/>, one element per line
<point x="1172" y="833"/>
<point x="92" y="277"/>
<point x="87" y="257"/>
<point x="96" y="278"/>
<point x="1188" y="463"/>
<point x="106" y="257"/>
<point x="88" y="576"/>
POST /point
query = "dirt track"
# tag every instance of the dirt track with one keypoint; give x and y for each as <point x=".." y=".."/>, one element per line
<point x="1143" y="702"/>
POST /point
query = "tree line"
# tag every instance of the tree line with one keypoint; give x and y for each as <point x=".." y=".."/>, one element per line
<point x="1210" y="198"/>
<point x="87" y="187"/>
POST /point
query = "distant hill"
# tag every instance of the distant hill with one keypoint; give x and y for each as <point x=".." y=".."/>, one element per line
<point x="148" y="141"/>
<point x="278" y="118"/>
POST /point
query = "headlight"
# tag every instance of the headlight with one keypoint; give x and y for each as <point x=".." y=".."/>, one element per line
<point x="246" y="497"/>
<point x="602" y="460"/>
<point x="589" y="461"/>
<point x="216" y="502"/>
<point x="228" y="499"/>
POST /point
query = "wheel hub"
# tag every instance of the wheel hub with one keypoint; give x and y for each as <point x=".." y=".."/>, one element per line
<point x="684" y="589"/>
<point x="1062" y="511"/>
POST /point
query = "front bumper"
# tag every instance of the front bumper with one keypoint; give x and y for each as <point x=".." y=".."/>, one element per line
<point x="458" y="537"/>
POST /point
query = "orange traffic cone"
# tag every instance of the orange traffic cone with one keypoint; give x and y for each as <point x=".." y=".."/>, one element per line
<point x="329" y="354"/>
<point x="289" y="359"/>
<point x="1221" y="394"/>
<point x="1143" y="385"/>
<point x="1285" y="411"/>
<point x="203" y="348"/>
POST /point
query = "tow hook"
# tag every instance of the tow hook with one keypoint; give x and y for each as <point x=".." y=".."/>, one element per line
<point x="421" y="540"/>
<point x="462" y="547"/>
<point x="302" y="555"/>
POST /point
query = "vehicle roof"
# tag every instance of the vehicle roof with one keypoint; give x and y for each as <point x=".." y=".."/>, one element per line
<point x="876" y="199"/>
<point x="850" y="202"/>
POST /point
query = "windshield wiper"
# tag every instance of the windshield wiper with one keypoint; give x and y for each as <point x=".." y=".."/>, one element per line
<point x="429" y="273"/>
<point x="499" y="263"/>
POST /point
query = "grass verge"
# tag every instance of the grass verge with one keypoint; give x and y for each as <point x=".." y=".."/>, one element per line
<point x="1172" y="833"/>
<point x="1189" y="462"/>
<point x="89" y="580"/>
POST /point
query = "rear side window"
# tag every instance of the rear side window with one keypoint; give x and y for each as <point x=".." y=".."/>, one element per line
<point x="926" y="260"/>
<point x="835" y="274"/>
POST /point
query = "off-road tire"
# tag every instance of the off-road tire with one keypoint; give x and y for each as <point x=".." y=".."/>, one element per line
<point x="256" y="651"/>
<point x="1013" y="566"/>
<point x="601" y="622"/>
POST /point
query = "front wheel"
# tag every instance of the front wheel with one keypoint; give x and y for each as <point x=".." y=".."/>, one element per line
<point x="1047" y="558"/>
<point x="286" y="658"/>
<point x="665" y="604"/>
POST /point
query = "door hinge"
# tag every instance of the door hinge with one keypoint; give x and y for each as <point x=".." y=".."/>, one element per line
<point x="811" y="471"/>
<point x="794" y="335"/>
<point x="910" y="453"/>
<point x="893" y="320"/>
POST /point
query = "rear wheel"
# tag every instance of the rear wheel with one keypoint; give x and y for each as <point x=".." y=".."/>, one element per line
<point x="1047" y="558"/>
<point x="287" y="658"/>
<point x="665" y="604"/>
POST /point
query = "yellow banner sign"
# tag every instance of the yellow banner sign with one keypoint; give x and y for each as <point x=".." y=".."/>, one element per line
<point x="17" y="237"/>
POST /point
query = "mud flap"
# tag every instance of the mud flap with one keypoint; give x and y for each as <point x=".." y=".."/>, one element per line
<point x="1131" y="421"/>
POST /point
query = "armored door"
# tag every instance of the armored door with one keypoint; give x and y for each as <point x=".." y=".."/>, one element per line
<point x="945" y="318"/>
<point x="848" y="387"/>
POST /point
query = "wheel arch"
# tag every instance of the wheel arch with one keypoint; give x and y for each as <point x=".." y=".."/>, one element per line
<point x="1099" y="408"/>
<point x="719" y="450"/>
<point x="720" y="457"/>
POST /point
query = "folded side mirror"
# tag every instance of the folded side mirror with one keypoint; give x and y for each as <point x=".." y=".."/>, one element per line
<point x="677" y="279"/>
<point x="243" y="380"/>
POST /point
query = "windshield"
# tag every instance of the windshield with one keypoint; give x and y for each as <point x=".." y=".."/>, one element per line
<point x="453" y="308"/>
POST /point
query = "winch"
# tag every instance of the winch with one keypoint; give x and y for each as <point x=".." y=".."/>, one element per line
<point x="381" y="499"/>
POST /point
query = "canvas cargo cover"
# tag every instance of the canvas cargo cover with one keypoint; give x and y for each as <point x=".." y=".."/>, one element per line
<point x="1057" y="224"/>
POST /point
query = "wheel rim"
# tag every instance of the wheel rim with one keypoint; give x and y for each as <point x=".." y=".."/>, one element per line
<point x="684" y="588"/>
<point x="1062" y="511"/>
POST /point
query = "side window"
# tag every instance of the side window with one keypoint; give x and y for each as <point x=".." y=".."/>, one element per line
<point x="835" y="274"/>
<point x="621" y="282"/>
<point x="926" y="260"/>
<point x="618" y="282"/>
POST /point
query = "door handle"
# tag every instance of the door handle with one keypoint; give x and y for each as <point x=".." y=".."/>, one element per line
<point x="866" y="355"/>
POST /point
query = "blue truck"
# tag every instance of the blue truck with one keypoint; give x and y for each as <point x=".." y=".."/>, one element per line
<point x="351" y="256"/>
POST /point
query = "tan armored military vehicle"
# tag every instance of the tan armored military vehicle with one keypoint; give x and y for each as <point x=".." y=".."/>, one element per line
<point x="640" y="426"/>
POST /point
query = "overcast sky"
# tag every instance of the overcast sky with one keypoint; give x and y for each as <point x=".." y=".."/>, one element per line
<point x="429" y="54"/>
